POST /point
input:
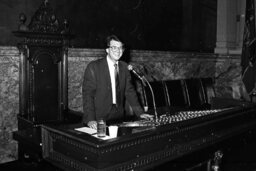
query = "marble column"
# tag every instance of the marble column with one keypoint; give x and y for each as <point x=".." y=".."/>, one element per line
<point x="241" y="17"/>
<point x="230" y="19"/>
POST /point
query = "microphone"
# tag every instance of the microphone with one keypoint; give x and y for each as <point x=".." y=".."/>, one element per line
<point x="143" y="79"/>
<point x="130" y="68"/>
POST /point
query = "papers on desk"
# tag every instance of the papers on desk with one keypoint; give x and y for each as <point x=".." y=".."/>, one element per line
<point x="92" y="132"/>
<point x="86" y="130"/>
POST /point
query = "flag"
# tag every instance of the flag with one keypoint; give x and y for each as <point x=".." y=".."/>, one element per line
<point x="248" y="51"/>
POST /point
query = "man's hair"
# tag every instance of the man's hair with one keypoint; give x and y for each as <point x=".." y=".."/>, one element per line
<point x="113" y="37"/>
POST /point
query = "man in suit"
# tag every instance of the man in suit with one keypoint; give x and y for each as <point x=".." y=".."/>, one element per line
<point x="106" y="86"/>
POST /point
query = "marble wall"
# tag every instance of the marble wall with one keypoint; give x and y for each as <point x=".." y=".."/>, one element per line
<point x="9" y="101"/>
<point x="159" y="65"/>
<point x="155" y="65"/>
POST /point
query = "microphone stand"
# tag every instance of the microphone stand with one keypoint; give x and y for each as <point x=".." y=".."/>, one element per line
<point x="153" y="98"/>
<point x="144" y="96"/>
<point x="143" y="79"/>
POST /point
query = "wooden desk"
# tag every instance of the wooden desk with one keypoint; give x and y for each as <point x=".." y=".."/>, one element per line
<point x="71" y="150"/>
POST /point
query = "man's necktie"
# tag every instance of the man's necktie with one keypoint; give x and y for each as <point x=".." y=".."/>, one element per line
<point x="117" y="85"/>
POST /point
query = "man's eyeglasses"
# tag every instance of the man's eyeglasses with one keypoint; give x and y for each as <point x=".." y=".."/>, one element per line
<point x="115" y="48"/>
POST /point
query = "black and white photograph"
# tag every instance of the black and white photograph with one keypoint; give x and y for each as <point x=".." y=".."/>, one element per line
<point x="127" y="85"/>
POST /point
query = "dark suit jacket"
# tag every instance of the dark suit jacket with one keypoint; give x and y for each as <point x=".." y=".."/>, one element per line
<point x="97" y="92"/>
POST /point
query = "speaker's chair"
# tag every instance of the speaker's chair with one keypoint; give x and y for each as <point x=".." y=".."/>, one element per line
<point x="43" y="68"/>
<point x="43" y="78"/>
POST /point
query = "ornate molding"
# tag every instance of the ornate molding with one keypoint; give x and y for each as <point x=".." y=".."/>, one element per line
<point x="44" y="25"/>
<point x="43" y="41"/>
<point x="44" y="20"/>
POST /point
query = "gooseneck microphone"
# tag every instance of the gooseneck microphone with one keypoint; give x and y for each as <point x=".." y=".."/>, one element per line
<point x="143" y="79"/>
<point x="130" y="68"/>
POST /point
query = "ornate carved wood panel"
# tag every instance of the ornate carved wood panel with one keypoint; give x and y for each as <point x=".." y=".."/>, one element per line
<point x="43" y="66"/>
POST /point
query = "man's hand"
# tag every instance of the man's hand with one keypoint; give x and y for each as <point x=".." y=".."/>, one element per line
<point x="92" y="124"/>
<point x="146" y="116"/>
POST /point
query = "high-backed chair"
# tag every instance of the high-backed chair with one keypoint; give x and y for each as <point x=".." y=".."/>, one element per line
<point x="208" y="87"/>
<point x="161" y="101"/>
<point x="43" y="78"/>
<point x="177" y="95"/>
<point x="196" y="94"/>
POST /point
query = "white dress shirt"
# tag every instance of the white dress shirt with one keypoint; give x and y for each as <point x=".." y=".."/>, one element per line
<point x="111" y="68"/>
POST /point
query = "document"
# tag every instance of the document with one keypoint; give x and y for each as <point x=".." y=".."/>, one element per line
<point x="86" y="130"/>
<point x="92" y="132"/>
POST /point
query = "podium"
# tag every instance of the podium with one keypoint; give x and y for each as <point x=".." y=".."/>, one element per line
<point x="167" y="145"/>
